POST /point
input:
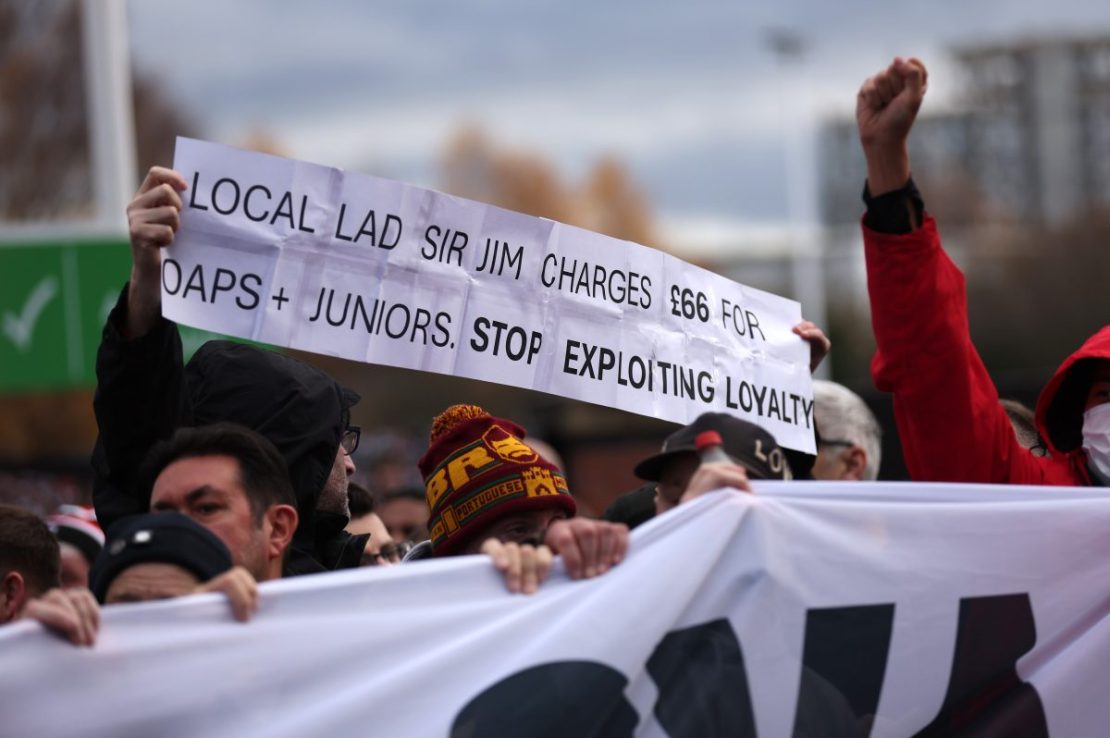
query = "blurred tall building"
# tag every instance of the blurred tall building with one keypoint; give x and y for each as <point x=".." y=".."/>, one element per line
<point x="1029" y="140"/>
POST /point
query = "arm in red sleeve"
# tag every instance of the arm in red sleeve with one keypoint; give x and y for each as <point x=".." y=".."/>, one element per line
<point x="946" y="406"/>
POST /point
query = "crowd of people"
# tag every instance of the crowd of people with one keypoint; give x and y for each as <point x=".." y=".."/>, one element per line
<point x="236" y="467"/>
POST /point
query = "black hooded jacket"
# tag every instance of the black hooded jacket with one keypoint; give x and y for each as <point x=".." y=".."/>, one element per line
<point x="144" y="393"/>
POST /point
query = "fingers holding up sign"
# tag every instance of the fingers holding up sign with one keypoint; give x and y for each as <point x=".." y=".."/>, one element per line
<point x="154" y="214"/>
<point x="886" y="108"/>
<point x="241" y="590"/>
<point x="71" y="613"/>
<point x="153" y="217"/>
<point x="819" y="343"/>
<point x="523" y="565"/>
<point x="588" y="547"/>
<point x="714" y="476"/>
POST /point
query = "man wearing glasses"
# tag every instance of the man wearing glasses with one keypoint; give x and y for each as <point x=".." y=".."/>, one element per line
<point x="380" y="548"/>
<point x="145" y="392"/>
<point x="333" y="497"/>
<point x="849" y="442"/>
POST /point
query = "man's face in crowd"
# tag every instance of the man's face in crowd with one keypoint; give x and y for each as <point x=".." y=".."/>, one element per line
<point x="75" y="567"/>
<point x="406" y="519"/>
<point x="522" y="527"/>
<point x="825" y="466"/>
<point x="333" y="498"/>
<point x="151" y="581"/>
<point x="673" y="481"/>
<point x="208" y="490"/>
<point x="380" y="549"/>
<point x="1099" y="392"/>
<point x="389" y="473"/>
<point x="839" y="461"/>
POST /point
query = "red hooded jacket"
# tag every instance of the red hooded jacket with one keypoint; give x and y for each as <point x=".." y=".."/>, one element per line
<point x="946" y="407"/>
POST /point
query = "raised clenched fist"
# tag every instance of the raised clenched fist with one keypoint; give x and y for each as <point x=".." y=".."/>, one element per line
<point x="886" y="107"/>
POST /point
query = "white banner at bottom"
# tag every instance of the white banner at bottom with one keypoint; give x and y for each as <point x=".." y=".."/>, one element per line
<point x="807" y="609"/>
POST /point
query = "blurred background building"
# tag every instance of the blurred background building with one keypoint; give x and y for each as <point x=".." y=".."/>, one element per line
<point x="1028" y="141"/>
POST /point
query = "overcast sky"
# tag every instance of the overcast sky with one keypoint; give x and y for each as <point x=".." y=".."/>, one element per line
<point x="688" y="95"/>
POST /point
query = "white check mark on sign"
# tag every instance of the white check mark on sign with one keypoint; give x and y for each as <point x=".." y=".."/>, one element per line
<point x="20" y="328"/>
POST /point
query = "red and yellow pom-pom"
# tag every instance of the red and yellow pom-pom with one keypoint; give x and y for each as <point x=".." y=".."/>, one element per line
<point x="446" y="421"/>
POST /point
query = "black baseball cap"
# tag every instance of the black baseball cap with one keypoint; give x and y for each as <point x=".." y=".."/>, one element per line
<point x="749" y="445"/>
<point x="632" y="508"/>
<point x="164" y="538"/>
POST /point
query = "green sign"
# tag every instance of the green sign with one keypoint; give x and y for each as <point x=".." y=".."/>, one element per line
<point x="54" y="298"/>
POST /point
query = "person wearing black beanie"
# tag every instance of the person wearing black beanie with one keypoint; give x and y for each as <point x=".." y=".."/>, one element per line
<point x="164" y="555"/>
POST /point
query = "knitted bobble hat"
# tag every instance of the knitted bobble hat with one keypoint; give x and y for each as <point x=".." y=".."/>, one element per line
<point x="477" y="470"/>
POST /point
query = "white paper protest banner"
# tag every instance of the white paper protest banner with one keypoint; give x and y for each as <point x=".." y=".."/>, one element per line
<point x="318" y="259"/>
<point x="815" y="610"/>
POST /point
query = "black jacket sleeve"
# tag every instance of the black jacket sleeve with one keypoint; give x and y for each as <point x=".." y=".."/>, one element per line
<point x="898" y="212"/>
<point x="140" y="399"/>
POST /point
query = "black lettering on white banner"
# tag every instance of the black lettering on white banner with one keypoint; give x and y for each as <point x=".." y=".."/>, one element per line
<point x="565" y="698"/>
<point x="703" y="685"/>
<point x="986" y="698"/>
<point x="843" y="664"/>
<point x="245" y="287"/>
<point x="703" y="688"/>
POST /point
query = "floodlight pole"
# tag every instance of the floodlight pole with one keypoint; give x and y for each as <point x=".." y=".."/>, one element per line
<point x="111" y="116"/>
<point x="807" y="267"/>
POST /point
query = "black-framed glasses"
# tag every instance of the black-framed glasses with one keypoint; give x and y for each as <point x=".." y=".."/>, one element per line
<point x="349" y="441"/>
<point x="389" y="553"/>
<point x="831" y="442"/>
